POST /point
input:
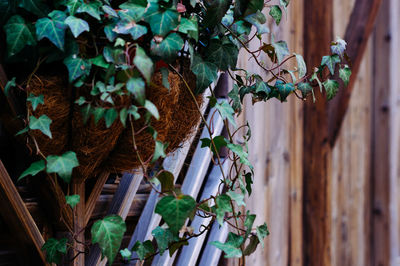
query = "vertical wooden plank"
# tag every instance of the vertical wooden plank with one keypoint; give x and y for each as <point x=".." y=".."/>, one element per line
<point x="78" y="188"/>
<point x="317" y="151"/>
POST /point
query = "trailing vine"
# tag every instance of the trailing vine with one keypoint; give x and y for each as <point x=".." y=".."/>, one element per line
<point x="112" y="49"/>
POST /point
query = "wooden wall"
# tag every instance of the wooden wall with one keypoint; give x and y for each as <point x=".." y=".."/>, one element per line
<point x="364" y="176"/>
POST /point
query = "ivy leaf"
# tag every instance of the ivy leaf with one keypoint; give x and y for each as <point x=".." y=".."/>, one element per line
<point x="234" y="95"/>
<point x="109" y="11"/>
<point x="99" y="61"/>
<point x="330" y="61"/>
<point x="248" y="223"/>
<point x="238" y="150"/>
<point x="143" y="63"/>
<point x="161" y="21"/>
<point x="231" y="247"/>
<point x="339" y="47"/>
<point x="133" y="10"/>
<point x="108" y="233"/>
<point x="10" y="84"/>
<point x="344" y="74"/>
<point x="37" y="7"/>
<point x="239" y="198"/>
<point x="331" y="87"/>
<point x="301" y="66"/>
<point x="62" y="165"/>
<point x="73" y="5"/>
<point x="249" y="182"/>
<point x="223" y="205"/>
<point x="130" y="27"/>
<point x="167" y="181"/>
<point x="92" y="8"/>
<point x="109" y="32"/>
<point x="110" y="116"/>
<point x="86" y="111"/>
<point x="54" y="249"/>
<point x="42" y="123"/>
<point x="163" y="237"/>
<point x="206" y="73"/>
<point x="18" y="35"/>
<point x="252" y="246"/>
<point x="143" y="249"/>
<point x="35" y="168"/>
<point x="223" y="55"/>
<point x="98" y="113"/>
<point x="35" y="100"/>
<point x="305" y="88"/>
<point x="281" y="50"/>
<point x="152" y="109"/>
<point x="175" y="211"/>
<point x="52" y="29"/>
<point x="126" y="254"/>
<point x="263" y="87"/>
<point x="136" y="86"/>
<point x="284" y="89"/>
<point x="216" y="10"/>
<point x="262" y="232"/>
<point x="258" y="20"/>
<point x="190" y="27"/>
<point x="226" y="111"/>
<point x="315" y="77"/>
<point x="77" y="25"/>
<point x="219" y="142"/>
<point x="77" y="67"/>
<point x="159" y="151"/>
<point x="276" y="13"/>
<point x="284" y="3"/>
<point x="168" y="49"/>
<point x="72" y="200"/>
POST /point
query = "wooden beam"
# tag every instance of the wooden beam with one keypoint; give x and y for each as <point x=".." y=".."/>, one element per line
<point x="357" y="33"/>
<point x="94" y="196"/>
<point x="19" y="219"/>
<point x="78" y="188"/>
<point x="318" y="31"/>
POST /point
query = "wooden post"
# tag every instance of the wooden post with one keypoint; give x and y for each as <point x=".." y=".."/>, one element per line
<point x="78" y="188"/>
<point x="318" y="28"/>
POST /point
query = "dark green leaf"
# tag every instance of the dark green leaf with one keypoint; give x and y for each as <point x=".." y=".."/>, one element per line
<point x="92" y="8"/>
<point x="143" y="249"/>
<point x="238" y="150"/>
<point x="126" y="254"/>
<point x="248" y="223"/>
<point x="190" y="27"/>
<point x="219" y="142"/>
<point x="108" y="233"/>
<point x="54" y="249"/>
<point x="99" y="61"/>
<point x="330" y="61"/>
<point x="128" y="27"/>
<point x="258" y="20"/>
<point x="223" y="205"/>
<point x="163" y="237"/>
<point x="72" y="200"/>
<point x="234" y="95"/>
<point x="206" y="73"/>
<point x="136" y="86"/>
<point x="35" y="100"/>
<point x="109" y="11"/>
<point x="73" y="5"/>
<point x="10" y="84"/>
<point x="284" y="89"/>
<point x="167" y="181"/>
<point x="37" y="7"/>
<point x="110" y="116"/>
<point x="249" y="182"/>
<point x="77" y="25"/>
<point x="165" y="73"/>
<point x="18" y="35"/>
<point x="42" y="123"/>
<point x="331" y="87"/>
<point x="231" y="247"/>
<point x="152" y="109"/>
<point x="35" y="168"/>
<point x="175" y="211"/>
<point x="281" y="50"/>
<point x="62" y="165"/>
<point x="110" y="33"/>
<point x="168" y="49"/>
<point x="22" y="131"/>
<point x="86" y="111"/>
<point x="161" y="21"/>
<point x="276" y="13"/>
<point x="344" y="74"/>
<point x="52" y="29"/>
<point x="262" y="232"/>
<point x="239" y="198"/>
<point x="143" y="63"/>
<point x="216" y="10"/>
<point x="159" y="151"/>
<point x="77" y="67"/>
<point x="301" y="66"/>
<point x="305" y="88"/>
<point x="223" y="55"/>
<point x="177" y="245"/>
<point x="226" y="111"/>
<point x="252" y="246"/>
<point x="133" y="10"/>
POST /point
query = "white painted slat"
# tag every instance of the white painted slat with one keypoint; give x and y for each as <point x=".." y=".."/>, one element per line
<point x="212" y="254"/>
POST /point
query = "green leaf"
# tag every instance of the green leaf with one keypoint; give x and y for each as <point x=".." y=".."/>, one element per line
<point x="72" y="200"/>
<point x="143" y="249"/>
<point x="73" y="5"/>
<point x="54" y="249"/>
<point x="22" y="131"/>
<point x="234" y="95"/>
<point x="339" y="47"/>
<point x="216" y="10"/>
<point x="249" y="182"/>
<point x="133" y="10"/>
<point x="165" y="73"/>
<point x="92" y="8"/>
<point x="231" y="247"/>
<point x="276" y="13"/>
<point x="98" y="113"/>
<point x="109" y="11"/>
<point x="110" y="116"/>
<point x="258" y="20"/>
<point x="206" y="73"/>
<point x="129" y="27"/>
<point x="305" y="88"/>
<point x="168" y="49"/>
<point x="226" y="111"/>
<point x="86" y="111"/>
<point x="42" y="123"/>
<point x="239" y="198"/>
<point x="167" y="181"/>
<point x="284" y="89"/>
<point x="77" y="25"/>
<point x="161" y="21"/>
<point x="248" y="223"/>
<point x="223" y="55"/>
<point x="262" y="232"/>
<point x="18" y="35"/>
<point x="143" y="63"/>
<point x="331" y="87"/>
<point x="10" y="84"/>
<point x="301" y="66"/>
<point x="252" y="246"/>
<point x="163" y="237"/>
<point x="37" y="7"/>
<point x="263" y="87"/>
<point x="175" y="211"/>
<point x="159" y="151"/>
<point x="152" y="109"/>
<point x="62" y="165"/>
<point x="281" y="50"/>
<point x="137" y="87"/>
<point x="35" y="168"/>
<point x="77" y="67"/>
<point x="315" y="77"/>
<point x="330" y="61"/>
<point x="238" y="150"/>
<point x="284" y="3"/>
<point x="108" y="233"/>
<point x="35" y="100"/>
<point x="52" y="29"/>
<point x="126" y="254"/>
<point x="190" y="27"/>
<point x="223" y="205"/>
<point x="99" y="61"/>
<point x="219" y="142"/>
<point x="109" y="32"/>
<point x="344" y="74"/>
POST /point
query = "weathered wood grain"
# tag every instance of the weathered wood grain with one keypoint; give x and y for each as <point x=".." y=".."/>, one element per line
<point x="94" y="196"/>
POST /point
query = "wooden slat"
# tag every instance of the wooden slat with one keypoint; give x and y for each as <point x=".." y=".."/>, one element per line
<point x="357" y="33"/>
<point x="18" y="217"/>
<point x="318" y="29"/>
<point x="79" y="224"/>
<point x="94" y="196"/>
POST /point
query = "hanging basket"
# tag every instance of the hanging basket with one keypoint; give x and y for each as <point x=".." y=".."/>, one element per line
<point x="99" y="148"/>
